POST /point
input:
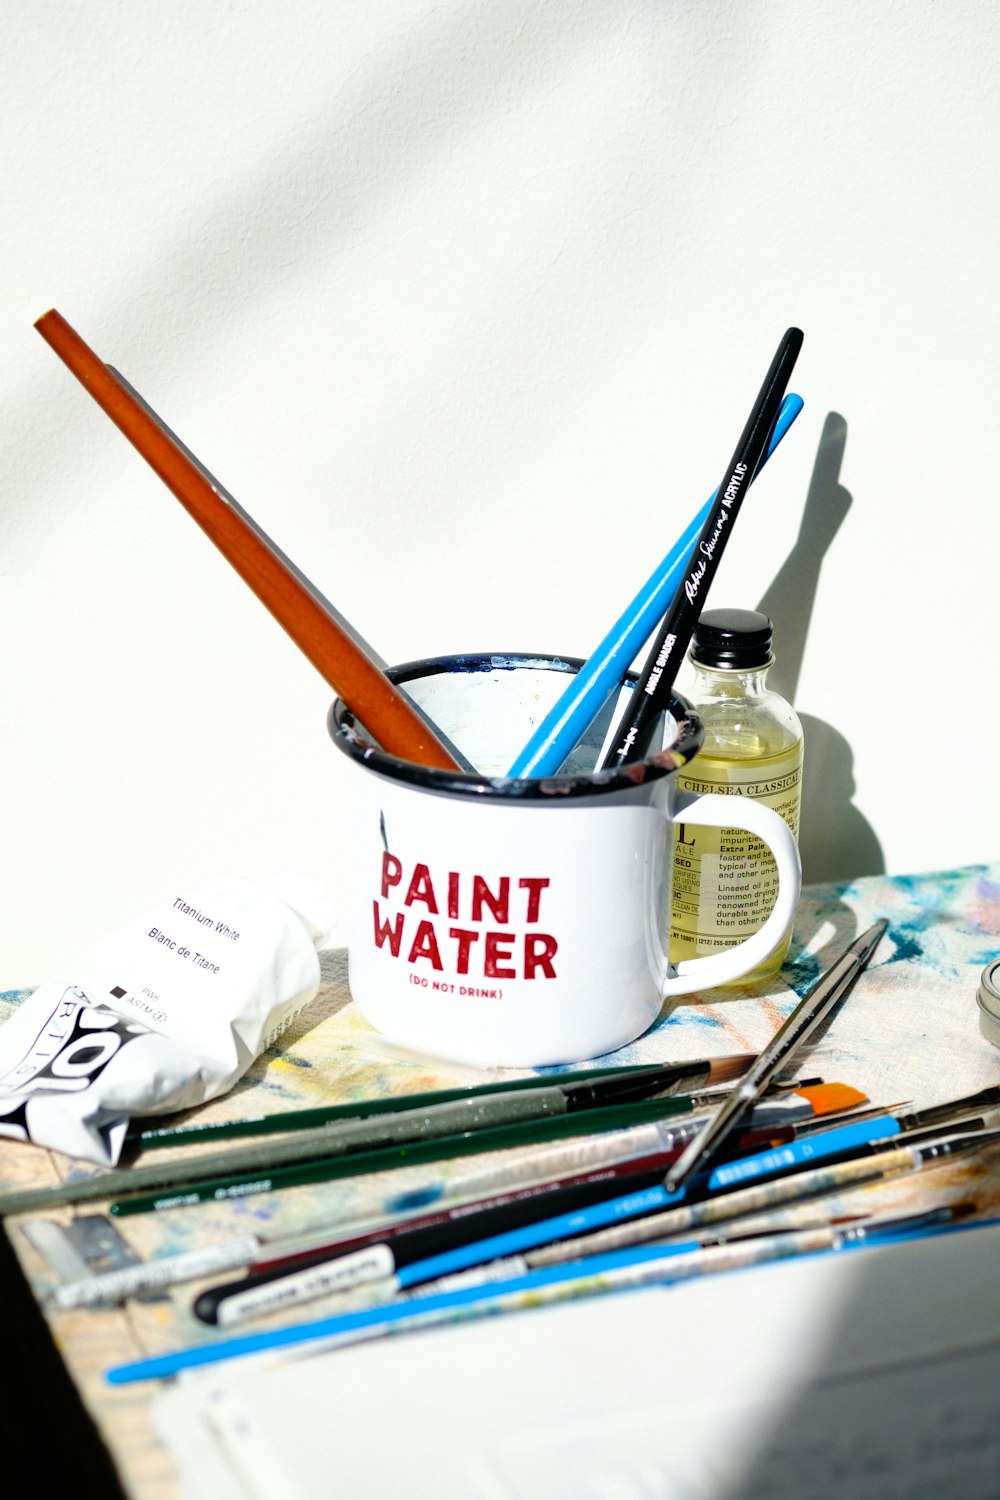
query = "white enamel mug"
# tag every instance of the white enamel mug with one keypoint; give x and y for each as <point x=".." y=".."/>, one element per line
<point x="504" y="922"/>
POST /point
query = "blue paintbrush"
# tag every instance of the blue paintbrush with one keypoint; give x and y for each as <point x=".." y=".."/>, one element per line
<point x="568" y="720"/>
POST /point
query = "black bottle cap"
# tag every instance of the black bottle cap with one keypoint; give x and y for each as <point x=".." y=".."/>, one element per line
<point x="732" y="639"/>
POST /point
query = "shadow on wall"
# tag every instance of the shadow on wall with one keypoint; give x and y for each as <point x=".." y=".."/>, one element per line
<point x="836" y="840"/>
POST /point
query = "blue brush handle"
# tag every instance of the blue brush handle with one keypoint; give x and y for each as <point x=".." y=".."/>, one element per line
<point x="833" y="1143"/>
<point x="803" y="1152"/>
<point x="810" y="1149"/>
<point x="160" y="1365"/>
<point x="569" y="719"/>
<point x="478" y="1295"/>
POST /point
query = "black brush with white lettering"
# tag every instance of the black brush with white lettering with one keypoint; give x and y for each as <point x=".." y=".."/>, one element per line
<point x="653" y="691"/>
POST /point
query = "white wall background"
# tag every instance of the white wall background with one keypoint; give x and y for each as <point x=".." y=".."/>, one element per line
<point x="467" y="303"/>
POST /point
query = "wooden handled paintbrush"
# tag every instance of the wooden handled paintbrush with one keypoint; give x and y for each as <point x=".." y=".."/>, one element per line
<point x="334" y="649"/>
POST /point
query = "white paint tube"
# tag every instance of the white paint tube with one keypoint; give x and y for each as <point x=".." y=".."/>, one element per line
<point x="162" y="1014"/>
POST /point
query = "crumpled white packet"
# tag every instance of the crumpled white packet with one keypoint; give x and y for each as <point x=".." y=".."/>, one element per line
<point x="165" y="1012"/>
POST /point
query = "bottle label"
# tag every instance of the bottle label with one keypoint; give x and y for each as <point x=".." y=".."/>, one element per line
<point x="725" y="880"/>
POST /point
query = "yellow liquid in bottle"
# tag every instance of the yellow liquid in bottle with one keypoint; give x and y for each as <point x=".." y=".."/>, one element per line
<point x="725" y="880"/>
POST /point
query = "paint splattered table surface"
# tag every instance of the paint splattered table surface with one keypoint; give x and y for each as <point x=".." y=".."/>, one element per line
<point x="909" y="1032"/>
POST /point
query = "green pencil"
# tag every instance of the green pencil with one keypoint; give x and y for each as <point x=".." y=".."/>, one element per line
<point x="331" y="1169"/>
<point x="156" y="1137"/>
<point x="353" y="1138"/>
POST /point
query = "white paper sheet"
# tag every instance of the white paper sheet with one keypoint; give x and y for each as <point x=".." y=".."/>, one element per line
<point x="873" y="1374"/>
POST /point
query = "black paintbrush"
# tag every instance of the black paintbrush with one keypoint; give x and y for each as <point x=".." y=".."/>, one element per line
<point x="653" y="690"/>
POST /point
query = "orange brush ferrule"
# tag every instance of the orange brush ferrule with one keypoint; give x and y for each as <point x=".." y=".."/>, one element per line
<point x="831" y="1098"/>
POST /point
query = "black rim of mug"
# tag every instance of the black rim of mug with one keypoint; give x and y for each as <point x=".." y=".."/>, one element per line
<point x="350" y="736"/>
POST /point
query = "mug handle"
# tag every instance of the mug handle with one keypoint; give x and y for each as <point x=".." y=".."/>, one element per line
<point x="716" y="811"/>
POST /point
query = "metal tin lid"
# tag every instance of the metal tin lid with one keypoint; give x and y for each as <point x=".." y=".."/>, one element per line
<point x="988" y="1000"/>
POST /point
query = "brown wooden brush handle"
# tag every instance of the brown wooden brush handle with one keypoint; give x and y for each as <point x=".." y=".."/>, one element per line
<point x="354" y="676"/>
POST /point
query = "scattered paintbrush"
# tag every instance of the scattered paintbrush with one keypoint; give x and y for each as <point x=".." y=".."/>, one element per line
<point x="689" y="1258"/>
<point x="804" y="1019"/>
<point x="298" y="1279"/>
<point x="985" y="1103"/>
<point x="810" y="1102"/>
<point x="332" y="1167"/>
<point x="645" y="1150"/>
<point x="594" y="1274"/>
<point x="636" y="1203"/>
<point x="873" y="1162"/>
<point x="271" y="1257"/>
<point x="604" y="1157"/>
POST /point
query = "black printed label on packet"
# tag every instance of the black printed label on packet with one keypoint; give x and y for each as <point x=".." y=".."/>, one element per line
<point x="14" y="1121"/>
<point x="97" y="1036"/>
<point x="71" y="1049"/>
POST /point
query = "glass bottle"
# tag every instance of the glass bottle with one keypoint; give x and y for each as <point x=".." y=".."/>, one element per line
<point x="725" y="880"/>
